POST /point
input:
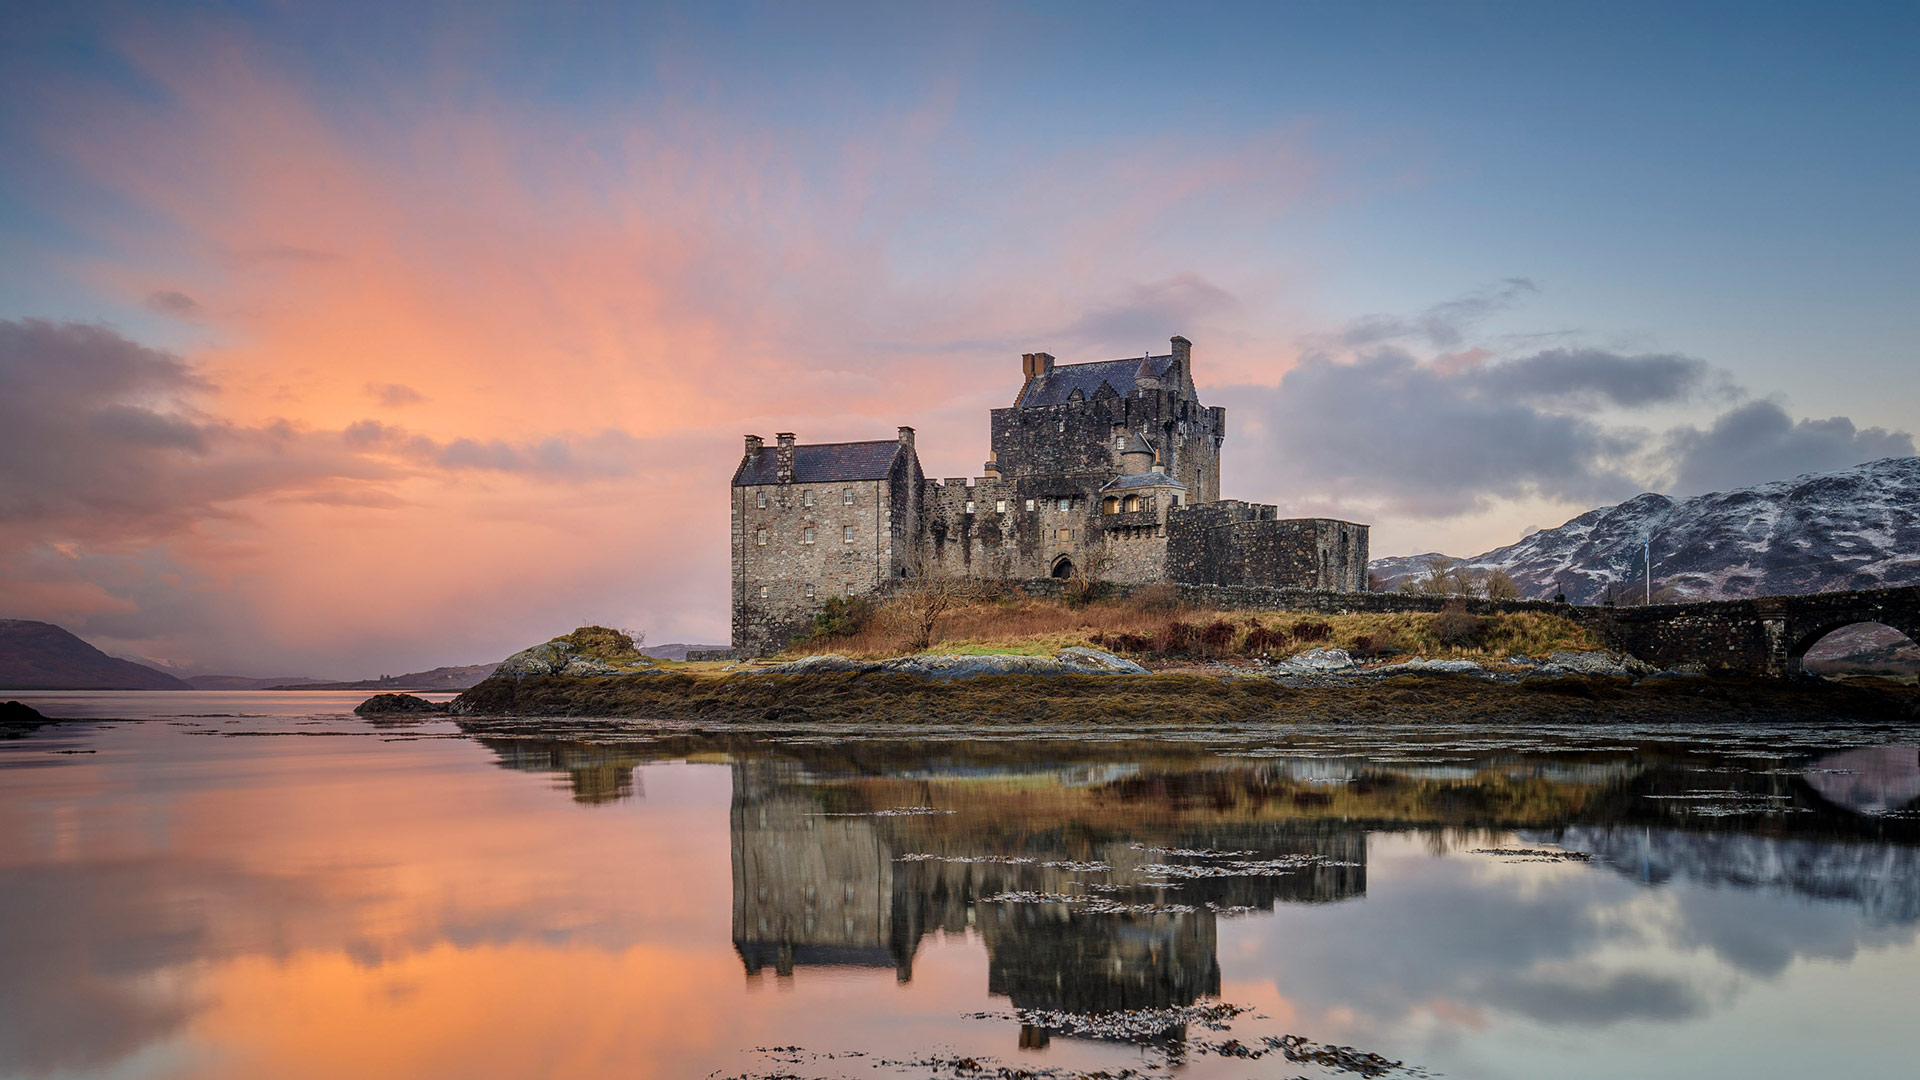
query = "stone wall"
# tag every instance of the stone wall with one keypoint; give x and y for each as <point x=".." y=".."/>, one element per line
<point x="782" y="576"/>
<point x="1237" y="543"/>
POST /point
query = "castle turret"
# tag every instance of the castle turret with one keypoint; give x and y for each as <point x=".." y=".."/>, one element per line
<point x="1136" y="455"/>
<point x="1145" y="379"/>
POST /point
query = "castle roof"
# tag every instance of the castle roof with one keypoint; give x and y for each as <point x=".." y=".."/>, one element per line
<point x="823" y="463"/>
<point x="1054" y="387"/>
<point x="1143" y="480"/>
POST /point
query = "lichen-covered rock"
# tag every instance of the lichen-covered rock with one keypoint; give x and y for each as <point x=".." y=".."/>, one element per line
<point x="1074" y="660"/>
<point x="591" y="651"/>
<point x="391" y="704"/>
<point x="1428" y="667"/>
<point x="1315" y="662"/>
<point x="1593" y="662"/>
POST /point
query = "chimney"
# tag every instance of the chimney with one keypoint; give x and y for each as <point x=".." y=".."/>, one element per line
<point x="992" y="468"/>
<point x="906" y="436"/>
<point x="753" y="446"/>
<point x="1035" y="365"/>
<point x="783" y="463"/>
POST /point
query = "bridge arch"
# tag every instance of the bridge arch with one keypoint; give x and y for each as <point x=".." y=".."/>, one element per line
<point x="1810" y="636"/>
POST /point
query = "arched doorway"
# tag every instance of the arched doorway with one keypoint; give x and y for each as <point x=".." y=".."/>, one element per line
<point x="1063" y="567"/>
<point x="1858" y="648"/>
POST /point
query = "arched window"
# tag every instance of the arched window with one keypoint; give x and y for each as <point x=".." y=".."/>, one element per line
<point x="1133" y="503"/>
<point x="1110" y="505"/>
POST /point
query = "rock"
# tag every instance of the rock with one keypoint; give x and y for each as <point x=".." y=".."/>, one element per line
<point x="1429" y="667"/>
<point x="1073" y="660"/>
<point x="17" y="718"/>
<point x="560" y="657"/>
<point x="1315" y="662"/>
<point x="1593" y="662"/>
<point x="390" y="704"/>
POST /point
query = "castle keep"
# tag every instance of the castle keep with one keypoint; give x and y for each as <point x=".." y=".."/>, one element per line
<point x="1108" y="469"/>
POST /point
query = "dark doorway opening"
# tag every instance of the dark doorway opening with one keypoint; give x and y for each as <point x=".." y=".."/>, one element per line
<point x="1063" y="567"/>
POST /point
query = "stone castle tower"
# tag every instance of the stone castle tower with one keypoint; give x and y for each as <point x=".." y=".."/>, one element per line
<point x="1109" y="468"/>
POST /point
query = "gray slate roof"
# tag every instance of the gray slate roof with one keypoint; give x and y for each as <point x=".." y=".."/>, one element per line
<point x="822" y="463"/>
<point x="1086" y="378"/>
<point x="1143" y="480"/>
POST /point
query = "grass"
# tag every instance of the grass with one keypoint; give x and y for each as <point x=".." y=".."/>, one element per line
<point x="1150" y="627"/>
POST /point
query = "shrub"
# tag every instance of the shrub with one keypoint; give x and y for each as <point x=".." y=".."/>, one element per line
<point x="1264" y="641"/>
<point x="1458" y="628"/>
<point x="842" y="616"/>
<point x="603" y="643"/>
<point x="1307" y="631"/>
<point x="1216" y="637"/>
<point x="1501" y="586"/>
<point x="1175" y="637"/>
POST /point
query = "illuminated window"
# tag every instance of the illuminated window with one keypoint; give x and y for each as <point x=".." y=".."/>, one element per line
<point x="809" y="592"/>
<point x="760" y="537"/>
<point x="1029" y="506"/>
<point x="808" y="497"/>
<point x="763" y="592"/>
<point x="969" y="506"/>
<point x="1110" y="505"/>
<point x="1133" y="503"/>
<point x="846" y="497"/>
<point x="1000" y="506"/>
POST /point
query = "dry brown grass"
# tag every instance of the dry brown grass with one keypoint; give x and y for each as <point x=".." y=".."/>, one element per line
<point x="1030" y="625"/>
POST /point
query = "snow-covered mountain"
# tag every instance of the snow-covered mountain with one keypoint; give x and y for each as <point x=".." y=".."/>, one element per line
<point x="1857" y="528"/>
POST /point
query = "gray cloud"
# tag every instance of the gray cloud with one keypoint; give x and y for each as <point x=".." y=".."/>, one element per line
<point x="395" y="395"/>
<point x="177" y="304"/>
<point x="1593" y="377"/>
<point x="608" y="453"/>
<point x="1444" y="325"/>
<point x="1430" y="443"/>
<point x="1140" y="317"/>
<point x="1758" y="442"/>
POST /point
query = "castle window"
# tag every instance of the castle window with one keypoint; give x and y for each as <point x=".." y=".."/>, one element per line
<point x="809" y="591"/>
<point x="969" y="506"/>
<point x="846" y="534"/>
<point x="808" y="497"/>
<point x="1119" y="445"/>
<point x="806" y="536"/>
<point x="849" y="588"/>
<point x="1110" y="505"/>
<point x="1065" y="505"/>
<point x="762" y="500"/>
<point x="1000" y="506"/>
<point x="763" y="592"/>
<point x="1133" y="503"/>
<point x="846" y="497"/>
<point x="1029" y="506"/>
<point x="1064" y="534"/>
<point x="1176" y="502"/>
<point x="760" y="537"/>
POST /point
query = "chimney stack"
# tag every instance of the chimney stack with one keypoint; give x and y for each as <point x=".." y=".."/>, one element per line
<point x="753" y="446"/>
<point x="1183" y="363"/>
<point x="1036" y="365"/>
<point x="783" y="463"/>
<point x="906" y="436"/>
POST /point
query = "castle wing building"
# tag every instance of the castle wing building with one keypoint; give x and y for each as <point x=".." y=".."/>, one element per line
<point x="1108" y="469"/>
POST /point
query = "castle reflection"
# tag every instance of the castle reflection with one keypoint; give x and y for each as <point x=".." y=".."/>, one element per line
<point x="816" y="883"/>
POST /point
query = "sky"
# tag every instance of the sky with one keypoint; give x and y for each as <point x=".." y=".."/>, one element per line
<point x="346" y="339"/>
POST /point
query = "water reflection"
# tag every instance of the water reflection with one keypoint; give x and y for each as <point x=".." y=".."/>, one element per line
<point x="188" y="901"/>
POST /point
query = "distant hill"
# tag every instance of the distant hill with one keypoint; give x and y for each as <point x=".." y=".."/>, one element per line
<point x="244" y="682"/>
<point x="676" y="651"/>
<point x="1857" y="528"/>
<point x="440" y="678"/>
<point x="42" y="656"/>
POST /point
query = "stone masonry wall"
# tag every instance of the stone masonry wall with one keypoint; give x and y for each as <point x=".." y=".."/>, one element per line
<point x="781" y="578"/>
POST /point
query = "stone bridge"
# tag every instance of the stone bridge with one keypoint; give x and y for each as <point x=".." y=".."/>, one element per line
<point x="1765" y="635"/>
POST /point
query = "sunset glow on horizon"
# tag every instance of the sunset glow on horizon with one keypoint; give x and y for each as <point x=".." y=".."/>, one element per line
<point x="345" y="340"/>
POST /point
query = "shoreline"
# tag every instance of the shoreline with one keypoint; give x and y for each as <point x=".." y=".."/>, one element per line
<point x="1093" y="701"/>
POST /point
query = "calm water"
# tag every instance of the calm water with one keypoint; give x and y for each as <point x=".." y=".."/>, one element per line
<point x="257" y="885"/>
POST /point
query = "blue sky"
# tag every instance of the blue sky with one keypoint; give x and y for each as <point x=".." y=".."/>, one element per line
<point x="865" y="212"/>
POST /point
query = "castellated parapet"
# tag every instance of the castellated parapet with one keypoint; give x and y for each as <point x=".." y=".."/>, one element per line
<point x="1108" y="469"/>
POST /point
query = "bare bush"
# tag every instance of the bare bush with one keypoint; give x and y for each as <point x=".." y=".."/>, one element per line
<point x="1499" y="585"/>
<point x="1458" y="628"/>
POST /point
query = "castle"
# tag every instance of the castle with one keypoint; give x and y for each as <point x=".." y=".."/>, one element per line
<point x="1108" y="469"/>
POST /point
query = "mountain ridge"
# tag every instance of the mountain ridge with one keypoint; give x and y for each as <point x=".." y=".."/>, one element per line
<point x="41" y="656"/>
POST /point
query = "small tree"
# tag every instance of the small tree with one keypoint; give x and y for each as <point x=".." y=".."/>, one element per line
<point x="1500" y="585"/>
<point x="1439" y="580"/>
<point x="929" y="593"/>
